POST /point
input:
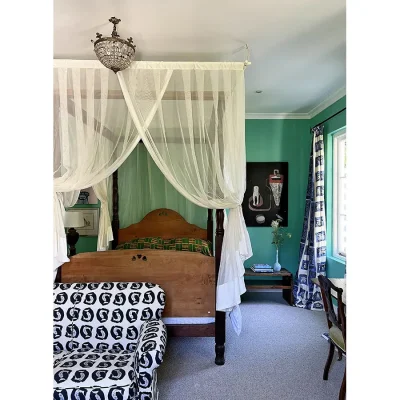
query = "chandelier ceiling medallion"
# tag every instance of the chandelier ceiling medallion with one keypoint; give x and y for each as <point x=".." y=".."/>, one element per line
<point x="113" y="52"/>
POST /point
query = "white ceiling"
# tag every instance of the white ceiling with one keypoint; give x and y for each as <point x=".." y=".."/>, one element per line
<point x="297" y="48"/>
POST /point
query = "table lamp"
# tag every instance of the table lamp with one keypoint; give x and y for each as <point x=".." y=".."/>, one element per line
<point x="72" y="220"/>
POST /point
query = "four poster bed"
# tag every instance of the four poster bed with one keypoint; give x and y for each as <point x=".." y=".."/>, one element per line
<point x="188" y="278"/>
<point x="191" y="118"/>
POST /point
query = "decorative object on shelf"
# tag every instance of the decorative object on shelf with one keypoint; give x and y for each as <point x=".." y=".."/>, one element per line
<point x="277" y="266"/>
<point x="279" y="235"/>
<point x="113" y="52"/>
<point x="266" y="193"/>
<point x="83" y="198"/>
<point x="87" y="196"/>
<point x="90" y="227"/>
<point x="72" y="220"/>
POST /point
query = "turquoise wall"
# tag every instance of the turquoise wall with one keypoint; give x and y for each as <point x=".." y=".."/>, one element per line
<point x="335" y="267"/>
<point x="281" y="140"/>
<point x="270" y="140"/>
<point x="284" y="140"/>
<point x="86" y="244"/>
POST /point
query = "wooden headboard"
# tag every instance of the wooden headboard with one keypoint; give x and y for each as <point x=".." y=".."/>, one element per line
<point x="164" y="223"/>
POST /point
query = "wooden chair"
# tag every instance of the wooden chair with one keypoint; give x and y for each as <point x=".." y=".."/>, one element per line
<point x="336" y="325"/>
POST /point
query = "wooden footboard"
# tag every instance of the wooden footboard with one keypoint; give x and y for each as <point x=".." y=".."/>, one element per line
<point x="187" y="278"/>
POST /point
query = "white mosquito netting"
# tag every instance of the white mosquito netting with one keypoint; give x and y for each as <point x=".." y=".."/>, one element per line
<point x="93" y="135"/>
<point x="191" y="118"/>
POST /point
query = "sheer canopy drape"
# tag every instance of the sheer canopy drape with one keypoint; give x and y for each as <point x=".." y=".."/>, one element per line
<point x="191" y="119"/>
<point x="93" y="135"/>
<point x="105" y="236"/>
<point x="60" y="202"/>
<point x="142" y="188"/>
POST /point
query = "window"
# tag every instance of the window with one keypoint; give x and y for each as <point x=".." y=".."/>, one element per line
<point x="339" y="195"/>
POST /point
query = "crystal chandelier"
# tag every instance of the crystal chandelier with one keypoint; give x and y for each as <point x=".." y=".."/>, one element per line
<point x="113" y="52"/>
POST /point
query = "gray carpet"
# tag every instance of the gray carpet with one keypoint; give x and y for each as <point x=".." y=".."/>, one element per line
<point x="280" y="354"/>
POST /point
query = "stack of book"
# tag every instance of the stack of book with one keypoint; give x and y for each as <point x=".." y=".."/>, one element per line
<point x="262" y="268"/>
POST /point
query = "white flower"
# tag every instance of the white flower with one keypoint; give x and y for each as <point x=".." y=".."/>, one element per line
<point x="275" y="224"/>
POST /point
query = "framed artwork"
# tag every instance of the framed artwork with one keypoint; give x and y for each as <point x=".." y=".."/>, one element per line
<point x="91" y="219"/>
<point x="266" y="196"/>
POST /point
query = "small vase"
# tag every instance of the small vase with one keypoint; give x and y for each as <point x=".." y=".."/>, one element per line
<point x="277" y="266"/>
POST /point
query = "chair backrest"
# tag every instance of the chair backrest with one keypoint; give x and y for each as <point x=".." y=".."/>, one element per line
<point x="106" y="315"/>
<point x="338" y="319"/>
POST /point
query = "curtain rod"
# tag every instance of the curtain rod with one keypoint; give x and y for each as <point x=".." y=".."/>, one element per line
<point x="334" y="115"/>
<point x="247" y="60"/>
<point x="151" y="65"/>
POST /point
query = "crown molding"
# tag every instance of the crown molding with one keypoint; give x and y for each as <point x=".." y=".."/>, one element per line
<point x="333" y="98"/>
<point x="277" y="116"/>
<point x="311" y="114"/>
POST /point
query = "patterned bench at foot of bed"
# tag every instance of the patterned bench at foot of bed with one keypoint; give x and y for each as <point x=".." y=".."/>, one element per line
<point x="109" y="340"/>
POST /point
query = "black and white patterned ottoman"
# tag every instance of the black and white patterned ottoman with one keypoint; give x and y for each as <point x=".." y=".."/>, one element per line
<point x="108" y="340"/>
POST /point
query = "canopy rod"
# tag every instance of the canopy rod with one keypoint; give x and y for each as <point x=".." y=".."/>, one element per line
<point x="117" y="94"/>
<point x="334" y="115"/>
<point x="247" y="60"/>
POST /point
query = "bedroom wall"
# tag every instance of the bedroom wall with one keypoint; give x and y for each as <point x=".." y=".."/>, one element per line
<point x="335" y="268"/>
<point x="280" y="140"/>
<point x="270" y="140"/>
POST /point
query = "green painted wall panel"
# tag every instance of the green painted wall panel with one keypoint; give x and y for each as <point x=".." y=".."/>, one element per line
<point x="270" y="140"/>
<point x="281" y="140"/>
<point x="336" y="122"/>
<point x="86" y="244"/>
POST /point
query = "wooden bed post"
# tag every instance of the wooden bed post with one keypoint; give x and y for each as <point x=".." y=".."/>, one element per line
<point x="219" y="315"/>
<point x="58" y="276"/>
<point x="115" y="218"/>
<point x="210" y="227"/>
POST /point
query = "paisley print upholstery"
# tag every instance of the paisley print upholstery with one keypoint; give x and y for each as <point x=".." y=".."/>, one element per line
<point x="108" y="340"/>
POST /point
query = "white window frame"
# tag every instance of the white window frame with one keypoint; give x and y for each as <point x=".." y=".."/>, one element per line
<point x="338" y="137"/>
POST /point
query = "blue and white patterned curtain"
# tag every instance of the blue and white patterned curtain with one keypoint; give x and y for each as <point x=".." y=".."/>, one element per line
<point x="312" y="257"/>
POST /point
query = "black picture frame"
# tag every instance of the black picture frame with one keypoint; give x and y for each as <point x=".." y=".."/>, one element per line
<point x="270" y="178"/>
